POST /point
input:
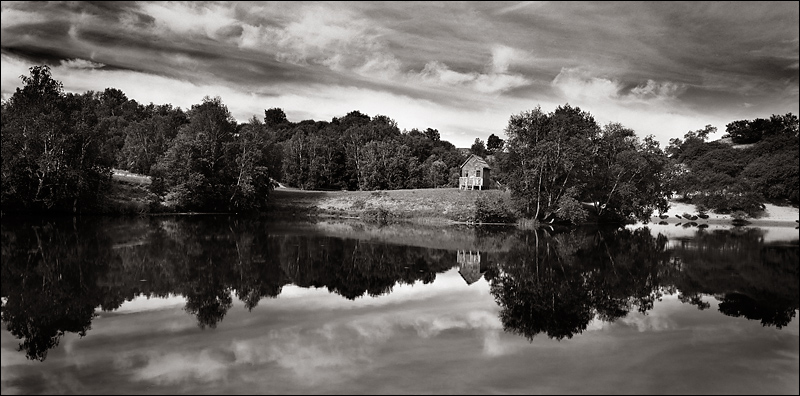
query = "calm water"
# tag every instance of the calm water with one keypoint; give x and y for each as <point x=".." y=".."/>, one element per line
<point x="235" y="305"/>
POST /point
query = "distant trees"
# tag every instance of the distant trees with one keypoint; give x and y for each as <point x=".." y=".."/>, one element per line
<point x="752" y="131"/>
<point x="726" y="178"/>
<point x="559" y="160"/>
<point x="494" y="144"/>
<point x="478" y="148"/>
<point x="58" y="150"/>
<point x="359" y="152"/>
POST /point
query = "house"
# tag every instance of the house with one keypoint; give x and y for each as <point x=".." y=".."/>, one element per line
<point x="475" y="172"/>
<point x="469" y="265"/>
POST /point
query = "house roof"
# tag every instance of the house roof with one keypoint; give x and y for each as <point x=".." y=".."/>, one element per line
<point x="471" y="156"/>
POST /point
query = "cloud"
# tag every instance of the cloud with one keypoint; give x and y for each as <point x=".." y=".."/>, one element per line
<point x="577" y="83"/>
<point x="11" y="17"/>
<point x="658" y="90"/>
<point x="461" y="68"/>
<point x="205" y="19"/>
<point x="497" y="81"/>
<point x="178" y="367"/>
<point x="80" y="64"/>
<point x="504" y="56"/>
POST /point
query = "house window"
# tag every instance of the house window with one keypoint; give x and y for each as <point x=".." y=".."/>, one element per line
<point x="478" y="173"/>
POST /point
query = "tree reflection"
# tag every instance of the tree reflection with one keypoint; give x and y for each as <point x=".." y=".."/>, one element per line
<point x="50" y="282"/>
<point x="557" y="284"/>
<point x="751" y="278"/>
<point x="57" y="272"/>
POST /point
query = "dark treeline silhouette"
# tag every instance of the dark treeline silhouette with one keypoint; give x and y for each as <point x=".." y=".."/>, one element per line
<point x="750" y="278"/>
<point x="58" y="150"/>
<point x="57" y="271"/>
<point x="557" y="284"/>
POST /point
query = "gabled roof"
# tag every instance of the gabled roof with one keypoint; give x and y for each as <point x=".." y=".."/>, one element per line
<point x="485" y="165"/>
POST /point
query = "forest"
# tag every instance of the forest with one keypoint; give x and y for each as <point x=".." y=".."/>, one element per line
<point x="58" y="150"/>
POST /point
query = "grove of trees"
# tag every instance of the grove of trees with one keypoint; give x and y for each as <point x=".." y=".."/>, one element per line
<point x="760" y="166"/>
<point x="558" y="161"/>
<point x="58" y="150"/>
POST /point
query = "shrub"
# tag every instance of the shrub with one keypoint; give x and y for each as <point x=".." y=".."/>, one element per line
<point x="493" y="209"/>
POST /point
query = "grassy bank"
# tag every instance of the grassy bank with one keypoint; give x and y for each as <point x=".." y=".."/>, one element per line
<point x="425" y="206"/>
<point x="438" y="206"/>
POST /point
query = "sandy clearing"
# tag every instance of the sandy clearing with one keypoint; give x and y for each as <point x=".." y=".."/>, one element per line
<point x="772" y="214"/>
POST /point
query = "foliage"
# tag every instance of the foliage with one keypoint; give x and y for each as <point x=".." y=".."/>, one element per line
<point x="478" y="148"/>
<point x="358" y="152"/>
<point x="753" y="131"/>
<point x="52" y="157"/>
<point x="494" y="144"/>
<point x="727" y="178"/>
<point x="557" y="160"/>
<point x="493" y="208"/>
<point x="148" y="139"/>
<point x="210" y="167"/>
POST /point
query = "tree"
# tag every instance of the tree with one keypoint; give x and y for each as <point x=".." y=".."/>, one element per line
<point x="199" y="172"/>
<point x="478" y="148"/>
<point x="548" y="158"/>
<point x="556" y="161"/>
<point x="250" y="150"/>
<point x="494" y="144"/>
<point x="274" y="117"/>
<point x="148" y="139"/>
<point x="51" y="148"/>
<point x="629" y="177"/>
<point x="432" y="134"/>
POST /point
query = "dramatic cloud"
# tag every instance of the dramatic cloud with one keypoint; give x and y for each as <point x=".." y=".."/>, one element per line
<point x="462" y="68"/>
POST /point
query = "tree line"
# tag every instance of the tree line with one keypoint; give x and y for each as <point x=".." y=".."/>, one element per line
<point x="58" y="150"/>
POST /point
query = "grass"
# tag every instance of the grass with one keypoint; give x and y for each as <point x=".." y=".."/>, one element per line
<point x="424" y="206"/>
<point x="128" y="194"/>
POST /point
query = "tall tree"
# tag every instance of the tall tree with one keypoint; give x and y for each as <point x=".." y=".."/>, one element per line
<point x="494" y="144"/>
<point x="50" y="148"/>
<point x="198" y="172"/>
<point x="478" y="148"/>
<point x="557" y="161"/>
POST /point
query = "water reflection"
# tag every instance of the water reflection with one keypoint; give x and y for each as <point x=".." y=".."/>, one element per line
<point x="56" y="272"/>
<point x="557" y="285"/>
<point x="751" y="278"/>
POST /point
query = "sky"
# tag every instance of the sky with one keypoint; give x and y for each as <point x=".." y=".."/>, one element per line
<point x="463" y="68"/>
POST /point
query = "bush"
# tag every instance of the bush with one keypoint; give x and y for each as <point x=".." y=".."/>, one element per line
<point x="493" y="209"/>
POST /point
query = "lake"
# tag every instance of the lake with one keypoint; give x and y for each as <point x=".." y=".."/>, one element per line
<point x="231" y="305"/>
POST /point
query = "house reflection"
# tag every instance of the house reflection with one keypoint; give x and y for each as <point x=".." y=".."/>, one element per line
<point x="469" y="265"/>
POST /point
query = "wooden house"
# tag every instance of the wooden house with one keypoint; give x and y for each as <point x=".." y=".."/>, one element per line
<point x="475" y="172"/>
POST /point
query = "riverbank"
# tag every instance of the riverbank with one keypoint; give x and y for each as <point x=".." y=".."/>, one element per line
<point x="433" y="206"/>
<point x="772" y="216"/>
<point x="424" y="206"/>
